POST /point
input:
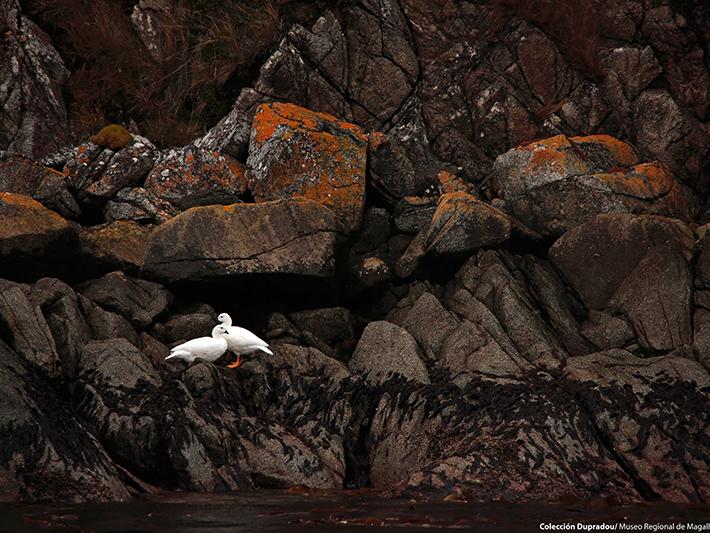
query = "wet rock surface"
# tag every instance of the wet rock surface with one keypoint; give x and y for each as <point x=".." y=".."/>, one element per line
<point x="482" y="263"/>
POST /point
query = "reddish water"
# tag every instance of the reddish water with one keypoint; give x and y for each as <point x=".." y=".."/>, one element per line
<point x="275" y="511"/>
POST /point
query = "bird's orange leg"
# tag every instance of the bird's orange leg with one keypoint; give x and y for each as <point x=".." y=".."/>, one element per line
<point x="236" y="363"/>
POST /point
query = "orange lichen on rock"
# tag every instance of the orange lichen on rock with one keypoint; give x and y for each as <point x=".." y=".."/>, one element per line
<point x="192" y="176"/>
<point x="121" y="243"/>
<point x="463" y="222"/>
<point x="554" y="155"/>
<point x="645" y="181"/>
<point x="449" y="182"/>
<point x="297" y="153"/>
<point x="554" y="184"/>
<point x="271" y="116"/>
<point x="619" y="150"/>
<point x="26" y="225"/>
<point x="377" y="139"/>
<point x="112" y="136"/>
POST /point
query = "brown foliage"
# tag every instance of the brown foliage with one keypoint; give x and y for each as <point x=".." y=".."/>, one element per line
<point x="574" y="24"/>
<point x="205" y="46"/>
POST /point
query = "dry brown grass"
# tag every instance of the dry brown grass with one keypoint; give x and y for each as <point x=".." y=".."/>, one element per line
<point x="574" y="24"/>
<point x="207" y="46"/>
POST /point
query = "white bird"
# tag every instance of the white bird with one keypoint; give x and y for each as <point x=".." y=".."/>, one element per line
<point x="206" y="348"/>
<point x="241" y="341"/>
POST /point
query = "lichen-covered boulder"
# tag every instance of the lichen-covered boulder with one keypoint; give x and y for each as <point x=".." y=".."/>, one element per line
<point x="119" y="244"/>
<point x="638" y="265"/>
<point x="27" y="227"/>
<point x="554" y="184"/>
<point x="139" y="205"/>
<point x="295" y="152"/>
<point x="461" y="223"/>
<point x="191" y="176"/>
<point x="98" y="170"/>
<point x="23" y="176"/>
<point x="288" y="236"/>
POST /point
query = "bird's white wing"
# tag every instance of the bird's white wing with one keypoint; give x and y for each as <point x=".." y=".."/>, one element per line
<point x="243" y="337"/>
<point x="194" y="345"/>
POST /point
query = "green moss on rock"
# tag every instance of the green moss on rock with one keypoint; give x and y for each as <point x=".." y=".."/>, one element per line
<point x="112" y="136"/>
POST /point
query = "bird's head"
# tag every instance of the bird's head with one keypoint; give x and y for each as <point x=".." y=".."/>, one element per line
<point x="219" y="330"/>
<point x="222" y="317"/>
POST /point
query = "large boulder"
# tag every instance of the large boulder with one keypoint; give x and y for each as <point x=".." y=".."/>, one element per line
<point x="461" y="223"/>
<point x="137" y="300"/>
<point x="29" y="334"/>
<point x="554" y="184"/>
<point x="288" y="236"/>
<point x="191" y="176"/>
<point x="384" y="350"/>
<point x="295" y="152"/>
<point x="24" y="176"/>
<point x="119" y="244"/>
<point x="98" y="170"/>
<point x="27" y="227"/>
<point x="636" y="265"/>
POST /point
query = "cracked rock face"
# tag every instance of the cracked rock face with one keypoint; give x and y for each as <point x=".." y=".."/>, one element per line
<point x="192" y="176"/>
<point x="636" y="265"/>
<point x="554" y="184"/>
<point x="287" y="236"/>
<point x="64" y="462"/>
<point x="34" y="118"/>
<point x="294" y="152"/>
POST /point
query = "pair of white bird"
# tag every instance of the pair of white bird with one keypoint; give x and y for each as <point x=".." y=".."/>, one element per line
<point x="224" y="337"/>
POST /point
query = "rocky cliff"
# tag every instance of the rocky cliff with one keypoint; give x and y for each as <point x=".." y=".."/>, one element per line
<point x="477" y="246"/>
